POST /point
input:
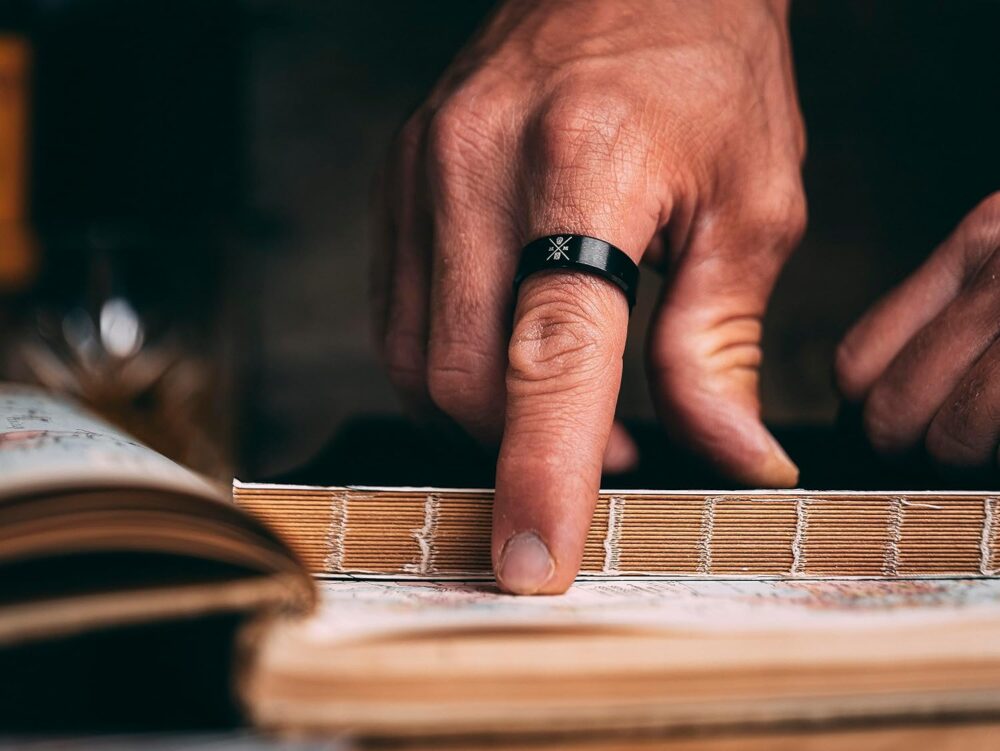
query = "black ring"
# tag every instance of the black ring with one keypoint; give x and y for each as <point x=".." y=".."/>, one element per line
<point x="579" y="253"/>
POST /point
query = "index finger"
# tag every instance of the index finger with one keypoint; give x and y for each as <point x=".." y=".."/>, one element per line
<point x="563" y="377"/>
<point x="565" y="353"/>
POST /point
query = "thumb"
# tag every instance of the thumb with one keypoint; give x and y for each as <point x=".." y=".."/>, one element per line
<point x="704" y="350"/>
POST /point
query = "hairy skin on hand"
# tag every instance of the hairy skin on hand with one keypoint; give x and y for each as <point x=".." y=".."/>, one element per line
<point x="670" y="129"/>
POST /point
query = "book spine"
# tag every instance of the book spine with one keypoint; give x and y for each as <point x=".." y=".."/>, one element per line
<point x="447" y="534"/>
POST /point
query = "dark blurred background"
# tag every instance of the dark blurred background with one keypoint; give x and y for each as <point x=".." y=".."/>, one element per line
<point x="205" y="166"/>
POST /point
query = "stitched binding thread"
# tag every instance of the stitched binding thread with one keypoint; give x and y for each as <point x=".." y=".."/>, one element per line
<point x="425" y="537"/>
<point x="798" y="541"/>
<point x="986" y="539"/>
<point x="890" y="559"/>
<point x="336" y="533"/>
<point x="705" y="540"/>
<point x="612" y="550"/>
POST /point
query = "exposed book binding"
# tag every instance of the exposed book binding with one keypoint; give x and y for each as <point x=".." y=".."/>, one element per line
<point x="435" y="532"/>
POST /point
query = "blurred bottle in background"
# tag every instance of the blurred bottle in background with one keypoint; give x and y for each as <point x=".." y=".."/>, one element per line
<point x="115" y="214"/>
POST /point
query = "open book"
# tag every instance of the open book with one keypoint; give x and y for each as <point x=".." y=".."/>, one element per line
<point x="124" y="578"/>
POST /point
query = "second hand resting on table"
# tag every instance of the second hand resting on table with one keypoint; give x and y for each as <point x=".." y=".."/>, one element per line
<point x="672" y="131"/>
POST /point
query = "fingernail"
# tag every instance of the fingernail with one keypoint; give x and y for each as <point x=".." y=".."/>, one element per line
<point x="525" y="564"/>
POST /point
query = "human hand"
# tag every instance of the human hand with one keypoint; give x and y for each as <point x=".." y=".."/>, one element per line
<point x="669" y="129"/>
<point x="925" y="361"/>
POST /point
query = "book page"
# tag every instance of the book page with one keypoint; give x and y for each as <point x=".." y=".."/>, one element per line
<point x="359" y="609"/>
<point x="49" y="444"/>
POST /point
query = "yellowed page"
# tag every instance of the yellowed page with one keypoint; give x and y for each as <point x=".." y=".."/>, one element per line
<point x="49" y="444"/>
<point x="363" y="609"/>
<point x="628" y="655"/>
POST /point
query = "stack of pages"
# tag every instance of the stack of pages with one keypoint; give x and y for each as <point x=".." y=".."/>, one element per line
<point x="441" y="533"/>
<point x="130" y="586"/>
<point x="446" y="658"/>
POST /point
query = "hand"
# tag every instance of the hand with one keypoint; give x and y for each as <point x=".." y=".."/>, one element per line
<point x="669" y="129"/>
<point x="925" y="360"/>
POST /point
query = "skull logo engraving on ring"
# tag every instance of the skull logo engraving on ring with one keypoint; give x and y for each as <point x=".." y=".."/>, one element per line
<point x="557" y="248"/>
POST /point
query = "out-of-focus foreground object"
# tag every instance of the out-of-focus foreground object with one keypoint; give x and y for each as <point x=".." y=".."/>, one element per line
<point x="119" y="197"/>
<point x="135" y="595"/>
<point x="446" y="658"/>
<point x="124" y="577"/>
<point x="17" y="246"/>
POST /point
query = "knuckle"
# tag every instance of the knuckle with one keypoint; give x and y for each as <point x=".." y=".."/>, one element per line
<point x="446" y="132"/>
<point x="456" y="378"/>
<point x="986" y="283"/>
<point x="458" y="132"/>
<point x="946" y="444"/>
<point x="558" y="341"/>
<point x="882" y="425"/>
<point x="581" y="122"/>
<point x="778" y="214"/>
<point x="592" y="154"/>
<point x="464" y="145"/>
<point x="956" y="435"/>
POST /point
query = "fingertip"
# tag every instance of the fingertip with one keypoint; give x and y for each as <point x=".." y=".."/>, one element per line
<point x="526" y="565"/>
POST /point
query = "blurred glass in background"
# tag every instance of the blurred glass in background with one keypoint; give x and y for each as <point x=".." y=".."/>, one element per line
<point x="111" y="280"/>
